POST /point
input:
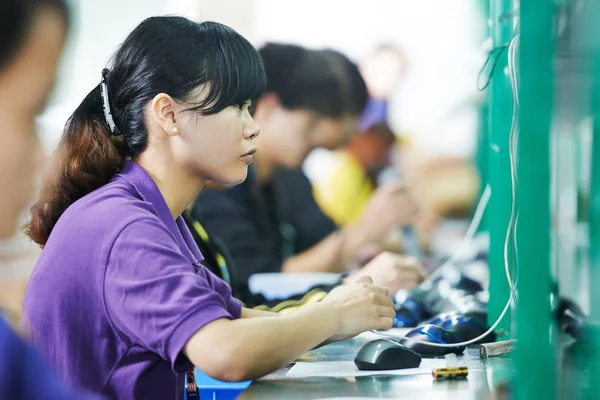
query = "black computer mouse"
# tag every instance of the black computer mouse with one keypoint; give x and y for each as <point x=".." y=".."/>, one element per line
<point x="386" y="354"/>
<point x="466" y="328"/>
<point x="419" y="338"/>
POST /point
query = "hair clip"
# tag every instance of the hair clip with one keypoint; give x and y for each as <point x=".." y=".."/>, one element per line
<point x="105" y="102"/>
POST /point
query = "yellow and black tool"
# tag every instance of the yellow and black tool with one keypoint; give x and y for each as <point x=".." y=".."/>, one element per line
<point x="450" y="373"/>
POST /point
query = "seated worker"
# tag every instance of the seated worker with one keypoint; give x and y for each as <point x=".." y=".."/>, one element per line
<point x="218" y="260"/>
<point x="302" y="101"/>
<point x="344" y="180"/>
<point x="345" y="189"/>
<point x="119" y="301"/>
<point x="343" y="184"/>
<point x="304" y="220"/>
<point x="32" y="35"/>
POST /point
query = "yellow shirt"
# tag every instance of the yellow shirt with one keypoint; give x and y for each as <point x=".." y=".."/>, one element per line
<point x="344" y="190"/>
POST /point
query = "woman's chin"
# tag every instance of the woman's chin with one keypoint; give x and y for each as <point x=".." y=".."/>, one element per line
<point x="227" y="180"/>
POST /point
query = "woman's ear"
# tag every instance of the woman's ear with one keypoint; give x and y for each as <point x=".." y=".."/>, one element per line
<point x="163" y="110"/>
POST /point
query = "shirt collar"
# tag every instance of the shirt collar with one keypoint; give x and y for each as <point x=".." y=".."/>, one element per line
<point x="146" y="188"/>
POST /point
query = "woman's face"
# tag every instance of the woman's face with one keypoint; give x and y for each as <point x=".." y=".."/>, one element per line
<point x="218" y="147"/>
<point x="25" y="84"/>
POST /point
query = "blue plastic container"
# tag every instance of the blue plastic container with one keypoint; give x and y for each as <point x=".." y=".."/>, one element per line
<point x="212" y="389"/>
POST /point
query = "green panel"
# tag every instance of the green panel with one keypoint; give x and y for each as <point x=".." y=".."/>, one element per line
<point x="483" y="140"/>
<point x="535" y="359"/>
<point x="482" y="157"/>
<point x="594" y="205"/>
<point x="499" y="207"/>
<point x="593" y="362"/>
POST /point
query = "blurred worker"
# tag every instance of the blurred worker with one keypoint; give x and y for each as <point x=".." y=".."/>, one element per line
<point x="302" y="110"/>
<point x="346" y="189"/>
<point x="32" y="35"/>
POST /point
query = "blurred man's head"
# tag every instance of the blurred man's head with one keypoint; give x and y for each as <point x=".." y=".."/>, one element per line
<point x="307" y="103"/>
<point x="333" y="133"/>
<point x="372" y="147"/>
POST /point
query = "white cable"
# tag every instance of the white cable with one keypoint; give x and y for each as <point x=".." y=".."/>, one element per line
<point x="513" y="173"/>
<point x="481" y="208"/>
<point x="512" y="60"/>
<point x="516" y="177"/>
<point x="471" y="230"/>
<point x="478" y="215"/>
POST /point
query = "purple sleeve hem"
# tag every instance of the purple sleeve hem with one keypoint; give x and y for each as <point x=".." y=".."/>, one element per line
<point x="186" y="329"/>
<point x="235" y="308"/>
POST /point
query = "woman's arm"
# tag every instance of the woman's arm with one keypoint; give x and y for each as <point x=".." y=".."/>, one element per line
<point x="255" y="345"/>
<point x="329" y="255"/>
<point x="252" y="313"/>
<point x="390" y="206"/>
<point x="248" y="348"/>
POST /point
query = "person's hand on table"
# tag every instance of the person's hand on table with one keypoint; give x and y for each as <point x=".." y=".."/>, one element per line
<point x="392" y="271"/>
<point x="360" y="306"/>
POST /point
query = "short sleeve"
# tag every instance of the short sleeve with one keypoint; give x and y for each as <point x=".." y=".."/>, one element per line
<point x="154" y="296"/>
<point x="232" y="304"/>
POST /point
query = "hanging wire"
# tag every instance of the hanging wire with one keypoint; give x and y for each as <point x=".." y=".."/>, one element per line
<point x="493" y="57"/>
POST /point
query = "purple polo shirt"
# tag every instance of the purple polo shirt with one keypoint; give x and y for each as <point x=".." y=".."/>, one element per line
<point x="118" y="291"/>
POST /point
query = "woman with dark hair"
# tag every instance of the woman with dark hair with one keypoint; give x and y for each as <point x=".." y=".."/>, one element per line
<point x="32" y="35"/>
<point x="119" y="300"/>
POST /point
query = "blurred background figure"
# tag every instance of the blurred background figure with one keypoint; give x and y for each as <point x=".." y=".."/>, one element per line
<point x="346" y="178"/>
<point x="32" y="35"/>
<point x="271" y="223"/>
<point x="382" y="72"/>
<point x="345" y="189"/>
